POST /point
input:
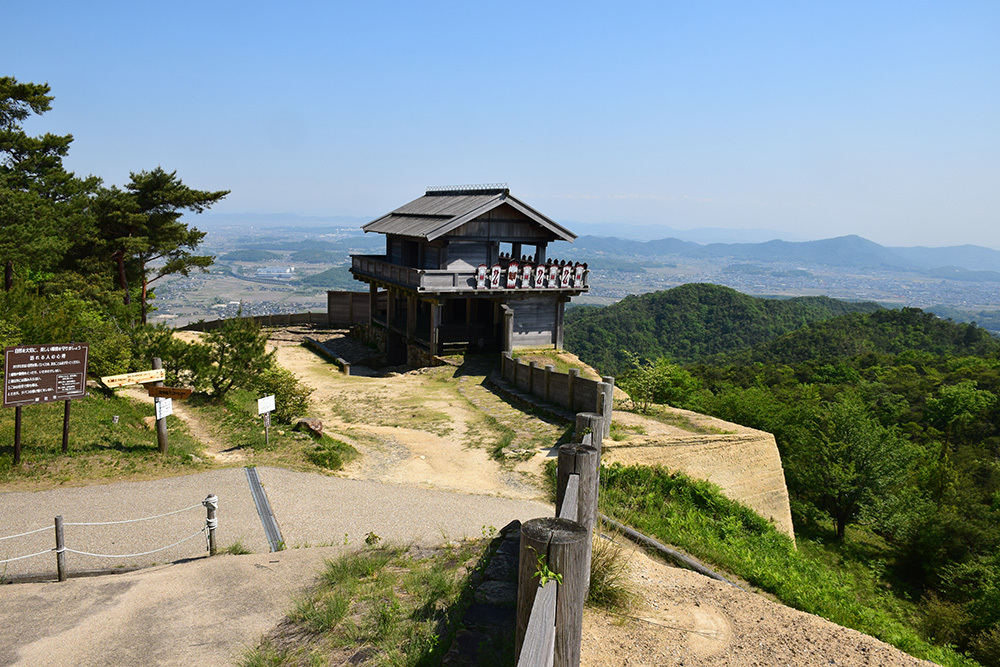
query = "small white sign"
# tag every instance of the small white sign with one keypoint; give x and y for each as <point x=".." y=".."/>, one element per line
<point x="164" y="407"/>
<point x="265" y="404"/>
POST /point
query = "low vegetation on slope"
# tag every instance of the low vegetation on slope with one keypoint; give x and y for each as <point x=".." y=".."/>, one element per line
<point x="888" y="425"/>
<point x="815" y="578"/>
<point x="383" y="605"/>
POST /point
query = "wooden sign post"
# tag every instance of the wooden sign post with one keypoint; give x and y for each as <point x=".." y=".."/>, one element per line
<point x="161" y="422"/>
<point x="265" y="406"/>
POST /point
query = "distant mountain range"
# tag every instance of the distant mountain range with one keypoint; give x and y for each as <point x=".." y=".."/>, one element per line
<point x="966" y="262"/>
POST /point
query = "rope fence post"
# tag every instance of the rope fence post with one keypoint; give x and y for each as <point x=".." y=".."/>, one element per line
<point x="60" y="549"/>
<point x="211" y="503"/>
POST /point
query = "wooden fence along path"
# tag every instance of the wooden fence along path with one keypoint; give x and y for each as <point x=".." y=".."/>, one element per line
<point x="555" y="554"/>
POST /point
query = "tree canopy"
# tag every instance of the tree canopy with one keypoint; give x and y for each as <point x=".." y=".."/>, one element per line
<point x="142" y="231"/>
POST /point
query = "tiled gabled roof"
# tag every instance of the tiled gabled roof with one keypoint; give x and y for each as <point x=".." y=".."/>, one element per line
<point x="442" y="210"/>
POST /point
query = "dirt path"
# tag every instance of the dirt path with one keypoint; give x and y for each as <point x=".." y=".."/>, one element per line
<point x="421" y="427"/>
<point x="201" y="431"/>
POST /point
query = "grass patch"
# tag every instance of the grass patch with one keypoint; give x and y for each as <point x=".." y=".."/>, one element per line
<point x="610" y="587"/>
<point x="331" y="453"/>
<point x="621" y="431"/>
<point x="504" y="438"/>
<point x="237" y="548"/>
<point x="370" y="404"/>
<point x="817" y="578"/>
<point x="546" y="357"/>
<point x="99" y="448"/>
<point x="383" y="605"/>
<point x="239" y="426"/>
<point x="666" y="416"/>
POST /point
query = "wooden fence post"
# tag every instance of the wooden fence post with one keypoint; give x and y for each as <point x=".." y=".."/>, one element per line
<point x="560" y="544"/>
<point x="581" y="460"/>
<point x="211" y="503"/>
<point x="60" y="549"/>
<point x="573" y="374"/>
<point x="549" y="370"/>
<point x="595" y="423"/>
<point x="608" y="386"/>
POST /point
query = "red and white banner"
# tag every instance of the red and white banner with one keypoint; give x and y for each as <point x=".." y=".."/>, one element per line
<point x="512" y="275"/>
<point x="481" y="276"/>
<point x="495" y="272"/>
<point x="564" y="276"/>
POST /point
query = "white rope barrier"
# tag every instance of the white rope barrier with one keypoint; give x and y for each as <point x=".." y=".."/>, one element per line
<point x="145" y="518"/>
<point x="30" y="532"/>
<point x="11" y="560"/>
<point x="212" y="502"/>
<point x="144" y="553"/>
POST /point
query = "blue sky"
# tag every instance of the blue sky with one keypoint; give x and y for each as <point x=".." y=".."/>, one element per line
<point x="813" y="119"/>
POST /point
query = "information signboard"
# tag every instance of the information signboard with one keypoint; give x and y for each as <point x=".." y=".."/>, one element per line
<point x="43" y="373"/>
<point x="164" y="407"/>
<point x="265" y="404"/>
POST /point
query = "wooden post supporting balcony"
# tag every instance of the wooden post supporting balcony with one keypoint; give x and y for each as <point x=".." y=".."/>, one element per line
<point x="411" y="316"/>
<point x="435" y="324"/>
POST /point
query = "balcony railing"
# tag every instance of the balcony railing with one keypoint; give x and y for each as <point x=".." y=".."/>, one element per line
<point x="444" y="280"/>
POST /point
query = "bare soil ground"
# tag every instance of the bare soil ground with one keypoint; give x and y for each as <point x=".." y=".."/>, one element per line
<point x="429" y="427"/>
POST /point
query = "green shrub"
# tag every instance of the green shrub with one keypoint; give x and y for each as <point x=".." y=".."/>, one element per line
<point x="291" y="397"/>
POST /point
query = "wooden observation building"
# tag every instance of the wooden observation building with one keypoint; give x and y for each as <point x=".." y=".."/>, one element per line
<point x="465" y="269"/>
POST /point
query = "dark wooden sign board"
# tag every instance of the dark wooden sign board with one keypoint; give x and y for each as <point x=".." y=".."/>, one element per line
<point x="40" y="374"/>
<point x="168" y="392"/>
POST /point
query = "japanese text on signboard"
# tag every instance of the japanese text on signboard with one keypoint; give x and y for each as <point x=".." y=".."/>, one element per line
<point x="43" y="373"/>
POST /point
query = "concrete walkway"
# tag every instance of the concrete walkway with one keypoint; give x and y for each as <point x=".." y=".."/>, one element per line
<point x="193" y="609"/>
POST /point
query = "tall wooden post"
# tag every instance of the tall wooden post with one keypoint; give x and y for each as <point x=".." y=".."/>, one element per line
<point x="60" y="549"/>
<point x="560" y="318"/>
<point x="65" y="442"/>
<point x="508" y="329"/>
<point x="17" y="434"/>
<point x="434" y="338"/>
<point x="161" y="424"/>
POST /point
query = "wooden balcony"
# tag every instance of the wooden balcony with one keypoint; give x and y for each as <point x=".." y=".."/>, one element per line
<point x="375" y="269"/>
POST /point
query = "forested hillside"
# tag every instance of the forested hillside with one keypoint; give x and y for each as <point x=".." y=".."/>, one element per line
<point x="888" y="424"/>
<point x="690" y="322"/>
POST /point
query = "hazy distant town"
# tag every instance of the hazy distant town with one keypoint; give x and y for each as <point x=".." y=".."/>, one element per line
<point x="263" y="270"/>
